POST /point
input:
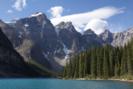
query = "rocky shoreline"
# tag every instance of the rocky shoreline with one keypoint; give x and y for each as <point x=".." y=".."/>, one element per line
<point x="122" y="80"/>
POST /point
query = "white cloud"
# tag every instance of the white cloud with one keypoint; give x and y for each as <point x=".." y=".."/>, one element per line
<point x="81" y="20"/>
<point x="56" y="11"/>
<point x="9" y="11"/>
<point x="19" y="5"/>
<point x="98" y="25"/>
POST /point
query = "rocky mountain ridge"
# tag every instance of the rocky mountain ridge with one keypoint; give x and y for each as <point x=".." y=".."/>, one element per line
<point x="35" y="38"/>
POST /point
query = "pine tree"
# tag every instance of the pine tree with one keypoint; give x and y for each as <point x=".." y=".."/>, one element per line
<point x="93" y="64"/>
<point x="105" y="64"/>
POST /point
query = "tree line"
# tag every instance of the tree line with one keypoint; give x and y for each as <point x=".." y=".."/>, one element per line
<point x="102" y="62"/>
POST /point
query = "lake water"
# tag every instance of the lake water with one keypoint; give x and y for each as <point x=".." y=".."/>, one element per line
<point x="61" y="84"/>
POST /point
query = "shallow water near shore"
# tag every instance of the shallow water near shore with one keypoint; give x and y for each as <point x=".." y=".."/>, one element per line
<point x="62" y="84"/>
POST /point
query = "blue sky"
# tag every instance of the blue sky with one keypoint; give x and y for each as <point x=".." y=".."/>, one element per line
<point x="11" y="9"/>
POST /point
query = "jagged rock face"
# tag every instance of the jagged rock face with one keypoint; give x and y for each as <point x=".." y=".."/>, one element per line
<point x="122" y="38"/>
<point x="106" y="36"/>
<point x="11" y="63"/>
<point x="41" y="36"/>
<point x="90" y="39"/>
<point x="68" y="35"/>
<point x="117" y="39"/>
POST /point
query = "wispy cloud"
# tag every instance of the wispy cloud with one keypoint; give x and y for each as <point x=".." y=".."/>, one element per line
<point x="93" y="19"/>
<point x="19" y="5"/>
<point x="9" y="11"/>
<point x="56" y="11"/>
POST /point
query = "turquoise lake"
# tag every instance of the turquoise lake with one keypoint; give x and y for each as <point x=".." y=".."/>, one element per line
<point x="62" y="84"/>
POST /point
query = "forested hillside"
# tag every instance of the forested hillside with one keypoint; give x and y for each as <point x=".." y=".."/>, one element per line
<point x="102" y="63"/>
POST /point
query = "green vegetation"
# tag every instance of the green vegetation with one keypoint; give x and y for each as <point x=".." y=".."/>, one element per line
<point x="102" y="63"/>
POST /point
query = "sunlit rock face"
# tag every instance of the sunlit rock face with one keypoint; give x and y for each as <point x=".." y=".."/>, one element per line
<point x="11" y="63"/>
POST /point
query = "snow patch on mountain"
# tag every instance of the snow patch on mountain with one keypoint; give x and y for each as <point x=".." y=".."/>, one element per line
<point x="66" y="50"/>
<point x="26" y="25"/>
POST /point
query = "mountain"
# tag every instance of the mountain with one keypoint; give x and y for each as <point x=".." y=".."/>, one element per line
<point x="122" y="38"/>
<point x="67" y="34"/>
<point x="11" y="63"/>
<point x="34" y="32"/>
<point x="74" y="42"/>
<point x="68" y="37"/>
<point x="90" y="39"/>
<point x="36" y="39"/>
<point x="117" y="39"/>
<point x="106" y="36"/>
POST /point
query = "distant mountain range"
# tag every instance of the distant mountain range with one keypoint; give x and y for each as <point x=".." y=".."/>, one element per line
<point x="35" y="38"/>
